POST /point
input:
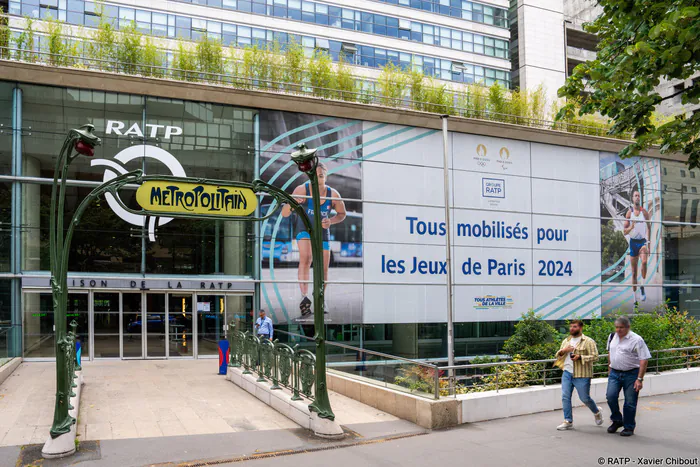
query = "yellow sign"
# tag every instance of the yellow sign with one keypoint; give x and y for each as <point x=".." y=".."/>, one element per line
<point x="196" y="198"/>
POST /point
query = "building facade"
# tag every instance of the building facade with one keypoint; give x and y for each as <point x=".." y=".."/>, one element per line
<point x="451" y="40"/>
<point x="536" y="225"/>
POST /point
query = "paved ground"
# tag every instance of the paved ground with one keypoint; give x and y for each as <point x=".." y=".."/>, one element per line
<point x="667" y="427"/>
<point x="147" y="399"/>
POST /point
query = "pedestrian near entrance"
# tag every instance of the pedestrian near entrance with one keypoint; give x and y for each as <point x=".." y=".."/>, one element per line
<point x="576" y="356"/>
<point x="629" y="356"/>
<point x="263" y="326"/>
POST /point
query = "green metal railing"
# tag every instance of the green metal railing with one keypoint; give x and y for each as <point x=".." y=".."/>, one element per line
<point x="284" y="366"/>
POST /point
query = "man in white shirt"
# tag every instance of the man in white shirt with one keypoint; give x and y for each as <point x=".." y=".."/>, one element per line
<point x="629" y="356"/>
<point x="263" y="326"/>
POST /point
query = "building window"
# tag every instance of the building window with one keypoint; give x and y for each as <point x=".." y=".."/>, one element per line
<point x="682" y="173"/>
<point x="692" y="174"/>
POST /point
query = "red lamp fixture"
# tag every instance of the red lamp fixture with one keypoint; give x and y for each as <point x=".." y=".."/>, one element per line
<point x="84" y="148"/>
<point x="304" y="158"/>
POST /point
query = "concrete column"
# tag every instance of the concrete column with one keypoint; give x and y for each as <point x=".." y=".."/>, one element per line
<point x="540" y="46"/>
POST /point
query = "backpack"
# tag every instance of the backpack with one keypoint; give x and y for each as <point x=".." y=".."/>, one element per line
<point x="610" y="338"/>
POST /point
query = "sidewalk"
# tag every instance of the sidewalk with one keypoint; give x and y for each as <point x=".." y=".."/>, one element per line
<point x="666" y="428"/>
<point x="148" y="399"/>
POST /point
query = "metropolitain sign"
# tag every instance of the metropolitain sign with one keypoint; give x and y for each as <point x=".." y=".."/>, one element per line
<point x="167" y="196"/>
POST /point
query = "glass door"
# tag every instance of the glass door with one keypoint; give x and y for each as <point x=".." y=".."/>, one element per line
<point x="154" y="328"/>
<point x="132" y="325"/>
<point x="210" y="323"/>
<point x="180" y="325"/>
<point x="106" y="325"/>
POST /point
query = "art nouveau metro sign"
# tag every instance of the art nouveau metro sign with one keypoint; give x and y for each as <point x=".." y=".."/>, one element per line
<point x="174" y="197"/>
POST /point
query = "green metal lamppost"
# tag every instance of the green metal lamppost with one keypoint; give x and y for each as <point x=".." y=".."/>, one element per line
<point x="81" y="141"/>
<point x="307" y="162"/>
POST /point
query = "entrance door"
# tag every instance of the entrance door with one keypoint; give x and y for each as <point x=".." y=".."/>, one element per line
<point x="132" y="325"/>
<point x="154" y="326"/>
<point x="216" y="311"/>
<point x="105" y="328"/>
<point x="180" y="325"/>
<point x="210" y="323"/>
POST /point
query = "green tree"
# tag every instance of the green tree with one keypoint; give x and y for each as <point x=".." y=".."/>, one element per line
<point x="321" y="74"/>
<point x="4" y="36"/>
<point x="391" y="85"/>
<point x="210" y="57"/>
<point x="533" y="339"/>
<point x="345" y="81"/>
<point x="641" y="43"/>
<point x="185" y="62"/>
<point x="129" y="51"/>
<point x="415" y="79"/>
<point x="56" y="44"/>
<point x="498" y="103"/>
<point x="103" y="44"/>
<point x="152" y="59"/>
<point x="25" y="42"/>
<point x="294" y="64"/>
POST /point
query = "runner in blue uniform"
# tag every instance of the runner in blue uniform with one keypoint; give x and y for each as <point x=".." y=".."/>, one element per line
<point x="330" y="201"/>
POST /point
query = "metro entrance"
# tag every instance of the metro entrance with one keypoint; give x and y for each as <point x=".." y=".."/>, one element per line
<point x="137" y="325"/>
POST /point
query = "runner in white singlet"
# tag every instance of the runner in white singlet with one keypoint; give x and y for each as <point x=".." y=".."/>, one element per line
<point x="638" y="228"/>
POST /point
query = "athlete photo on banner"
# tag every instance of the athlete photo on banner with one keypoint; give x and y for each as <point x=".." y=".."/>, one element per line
<point x="631" y="239"/>
<point x="287" y="266"/>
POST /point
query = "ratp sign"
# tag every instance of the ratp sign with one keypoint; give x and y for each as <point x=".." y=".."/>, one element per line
<point x="168" y="196"/>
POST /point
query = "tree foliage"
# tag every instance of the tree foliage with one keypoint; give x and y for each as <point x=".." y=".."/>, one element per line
<point x="533" y="339"/>
<point x="642" y="43"/>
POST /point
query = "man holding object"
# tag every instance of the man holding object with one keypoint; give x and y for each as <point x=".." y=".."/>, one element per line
<point x="576" y="357"/>
<point x="263" y="326"/>
<point x="629" y="356"/>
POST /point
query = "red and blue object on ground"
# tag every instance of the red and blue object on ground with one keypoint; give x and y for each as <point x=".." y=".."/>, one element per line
<point x="223" y="356"/>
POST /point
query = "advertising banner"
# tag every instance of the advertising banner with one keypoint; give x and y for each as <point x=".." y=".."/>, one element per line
<point x="534" y="226"/>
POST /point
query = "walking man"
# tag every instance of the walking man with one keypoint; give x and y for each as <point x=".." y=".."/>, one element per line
<point x="629" y="356"/>
<point x="576" y="357"/>
<point x="263" y="326"/>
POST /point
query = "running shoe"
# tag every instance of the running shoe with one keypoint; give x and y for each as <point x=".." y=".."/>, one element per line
<point x="305" y="306"/>
<point x="599" y="417"/>
<point x="643" y="295"/>
<point x="566" y="426"/>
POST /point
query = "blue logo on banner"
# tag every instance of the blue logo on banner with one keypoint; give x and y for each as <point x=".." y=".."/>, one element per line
<point x="493" y="188"/>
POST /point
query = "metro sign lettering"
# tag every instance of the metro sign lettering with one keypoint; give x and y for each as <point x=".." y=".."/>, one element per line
<point x="116" y="127"/>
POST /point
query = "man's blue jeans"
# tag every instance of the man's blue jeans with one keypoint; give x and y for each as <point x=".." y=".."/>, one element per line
<point x="617" y="381"/>
<point x="583" y="387"/>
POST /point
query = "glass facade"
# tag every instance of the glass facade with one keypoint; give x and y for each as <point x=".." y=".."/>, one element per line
<point x="370" y="23"/>
<point x="104" y="242"/>
<point x="471" y="11"/>
<point x="206" y="140"/>
<point x="152" y="289"/>
<point x="238" y="35"/>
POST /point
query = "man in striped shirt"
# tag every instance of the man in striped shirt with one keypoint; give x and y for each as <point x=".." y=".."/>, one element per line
<point x="576" y="357"/>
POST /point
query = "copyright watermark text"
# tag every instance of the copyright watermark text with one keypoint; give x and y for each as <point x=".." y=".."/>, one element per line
<point x="648" y="461"/>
